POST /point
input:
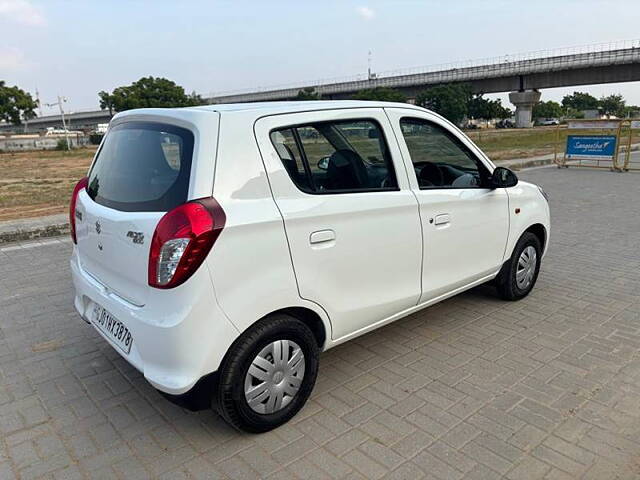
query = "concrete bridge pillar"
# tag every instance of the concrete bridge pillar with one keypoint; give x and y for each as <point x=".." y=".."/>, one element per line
<point x="524" y="102"/>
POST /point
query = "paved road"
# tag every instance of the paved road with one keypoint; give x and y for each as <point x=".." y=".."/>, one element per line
<point x="548" y="387"/>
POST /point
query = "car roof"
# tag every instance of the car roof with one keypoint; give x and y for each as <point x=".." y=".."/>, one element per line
<point x="256" y="110"/>
<point x="266" y="108"/>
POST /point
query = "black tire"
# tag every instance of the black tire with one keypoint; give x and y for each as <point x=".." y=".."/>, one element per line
<point x="506" y="280"/>
<point x="230" y="398"/>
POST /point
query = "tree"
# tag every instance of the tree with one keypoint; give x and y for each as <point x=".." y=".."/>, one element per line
<point x="106" y="101"/>
<point x="613" y="105"/>
<point x="381" y="94"/>
<point x="308" y="93"/>
<point x="480" y="107"/>
<point x="548" y="109"/>
<point x="148" y="92"/>
<point x="631" y="111"/>
<point x="450" y="100"/>
<point x="15" y="104"/>
<point x="579" y="101"/>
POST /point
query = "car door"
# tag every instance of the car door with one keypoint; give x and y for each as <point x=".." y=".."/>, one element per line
<point x="350" y="217"/>
<point x="465" y="222"/>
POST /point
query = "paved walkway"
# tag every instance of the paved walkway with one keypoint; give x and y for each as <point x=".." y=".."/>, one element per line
<point x="548" y="387"/>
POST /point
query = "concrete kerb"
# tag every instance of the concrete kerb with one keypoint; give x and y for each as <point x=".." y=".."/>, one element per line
<point x="33" y="228"/>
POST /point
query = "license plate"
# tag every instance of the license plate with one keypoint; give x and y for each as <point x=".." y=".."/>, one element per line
<point x="113" y="328"/>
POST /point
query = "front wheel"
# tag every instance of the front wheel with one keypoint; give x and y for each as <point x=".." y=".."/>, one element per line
<point x="268" y="374"/>
<point x="520" y="272"/>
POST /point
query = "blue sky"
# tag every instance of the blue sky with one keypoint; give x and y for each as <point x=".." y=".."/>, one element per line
<point x="76" y="48"/>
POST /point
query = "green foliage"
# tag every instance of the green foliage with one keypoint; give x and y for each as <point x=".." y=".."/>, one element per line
<point x="612" y="105"/>
<point x="579" y="101"/>
<point x="148" y="92"/>
<point x="573" y="113"/>
<point x="308" y="93"/>
<point x="381" y="94"/>
<point x="631" y="111"/>
<point x="106" y="101"/>
<point x="15" y="104"/>
<point x="548" y="109"/>
<point x="450" y="100"/>
<point x="480" y="107"/>
<point x="62" y="144"/>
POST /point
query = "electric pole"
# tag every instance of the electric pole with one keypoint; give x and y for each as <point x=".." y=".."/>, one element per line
<point x="59" y="103"/>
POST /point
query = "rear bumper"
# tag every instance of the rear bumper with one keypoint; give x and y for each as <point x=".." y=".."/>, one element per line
<point x="179" y="335"/>
<point x="200" y="397"/>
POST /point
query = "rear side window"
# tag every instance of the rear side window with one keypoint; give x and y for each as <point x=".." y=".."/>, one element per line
<point x="285" y="144"/>
<point x="336" y="157"/>
<point x="142" y="166"/>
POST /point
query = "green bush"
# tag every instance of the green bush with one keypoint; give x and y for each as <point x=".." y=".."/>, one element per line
<point x="62" y="144"/>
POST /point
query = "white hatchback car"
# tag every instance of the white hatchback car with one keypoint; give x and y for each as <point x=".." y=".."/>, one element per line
<point x="220" y="248"/>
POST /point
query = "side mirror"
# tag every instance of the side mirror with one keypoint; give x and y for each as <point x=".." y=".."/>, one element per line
<point x="323" y="163"/>
<point x="503" y="178"/>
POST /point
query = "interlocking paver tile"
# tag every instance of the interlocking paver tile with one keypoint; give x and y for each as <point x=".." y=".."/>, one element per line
<point x="474" y="387"/>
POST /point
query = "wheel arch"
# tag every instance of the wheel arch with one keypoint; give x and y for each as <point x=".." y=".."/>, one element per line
<point x="310" y="318"/>
<point x="540" y="232"/>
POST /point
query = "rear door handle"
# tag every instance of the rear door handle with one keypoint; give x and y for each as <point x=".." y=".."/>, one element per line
<point x="322" y="236"/>
<point x="442" y="219"/>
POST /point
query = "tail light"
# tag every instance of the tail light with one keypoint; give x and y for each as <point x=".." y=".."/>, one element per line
<point x="81" y="185"/>
<point x="182" y="240"/>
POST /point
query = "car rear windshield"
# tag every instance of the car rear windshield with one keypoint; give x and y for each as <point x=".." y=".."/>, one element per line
<point x="142" y="167"/>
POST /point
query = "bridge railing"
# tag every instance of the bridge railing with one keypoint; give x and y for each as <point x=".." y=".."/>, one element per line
<point x="522" y="63"/>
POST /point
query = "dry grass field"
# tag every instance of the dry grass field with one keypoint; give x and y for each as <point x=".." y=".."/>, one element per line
<point x="39" y="183"/>
<point x="529" y="142"/>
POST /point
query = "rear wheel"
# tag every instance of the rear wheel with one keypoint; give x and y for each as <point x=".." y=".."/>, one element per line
<point x="268" y="374"/>
<point x="520" y="272"/>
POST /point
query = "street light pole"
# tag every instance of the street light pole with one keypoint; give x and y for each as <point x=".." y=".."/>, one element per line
<point x="59" y="103"/>
<point x="64" y="123"/>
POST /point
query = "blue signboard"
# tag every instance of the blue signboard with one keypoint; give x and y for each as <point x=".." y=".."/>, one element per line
<point x="591" y="146"/>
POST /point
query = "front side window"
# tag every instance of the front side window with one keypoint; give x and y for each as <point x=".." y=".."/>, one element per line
<point x="336" y="157"/>
<point x="441" y="160"/>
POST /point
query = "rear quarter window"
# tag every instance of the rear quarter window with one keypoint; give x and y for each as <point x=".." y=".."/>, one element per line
<point x="142" y="166"/>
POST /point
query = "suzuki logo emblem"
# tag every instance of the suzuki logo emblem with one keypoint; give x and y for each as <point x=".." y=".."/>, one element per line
<point x="98" y="227"/>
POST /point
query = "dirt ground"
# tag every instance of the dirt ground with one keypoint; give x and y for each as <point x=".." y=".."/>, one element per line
<point x="38" y="183"/>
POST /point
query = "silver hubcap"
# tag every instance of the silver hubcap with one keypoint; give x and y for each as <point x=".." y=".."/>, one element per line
<point x="526" y="267"/>
<point x="274" y="377"/>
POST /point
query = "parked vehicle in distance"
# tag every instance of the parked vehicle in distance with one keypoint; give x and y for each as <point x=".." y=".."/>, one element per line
<point x="506" y="123"/>
<point x="219" y="249"/>
<point x="548" y="121"/>
<point x="101" y="128"/>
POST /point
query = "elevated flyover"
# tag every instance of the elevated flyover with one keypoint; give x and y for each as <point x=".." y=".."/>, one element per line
<point x="586" y="65"/>
<point x="81" y="120"/>
<point x="522" y="74"/>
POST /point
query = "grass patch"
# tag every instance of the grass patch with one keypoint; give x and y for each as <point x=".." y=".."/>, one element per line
<point x="529" y="142"/>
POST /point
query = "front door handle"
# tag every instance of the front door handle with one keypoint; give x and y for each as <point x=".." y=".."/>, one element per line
<point x="442" y="219"/>
<point x="322" y="236"/>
